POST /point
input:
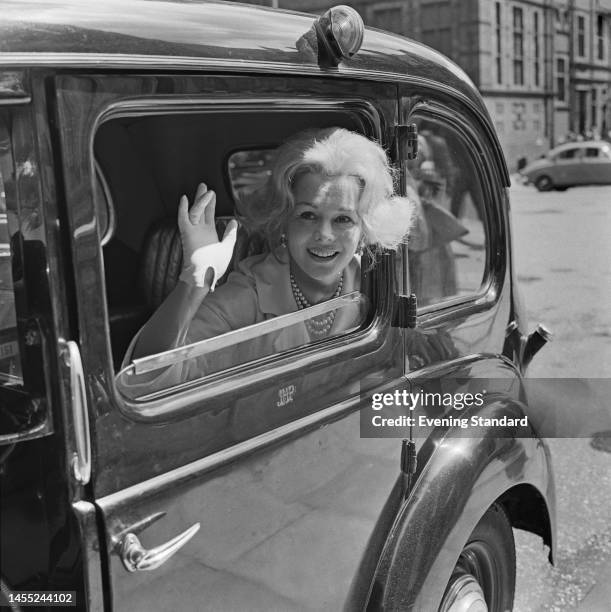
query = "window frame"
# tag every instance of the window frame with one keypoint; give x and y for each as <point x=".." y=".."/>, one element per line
<point x="518" y="45"/>
<point x="489" y="289"/>
<point x="580" y="33"/>
<point x="537" y="48"/>
<point x="183" y="397"/>
<point x="561" y="79"/>
<point x="600" y="37"/>
<point x="498" y="30"/>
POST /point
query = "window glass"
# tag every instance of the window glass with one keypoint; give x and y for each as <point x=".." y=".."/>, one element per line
<point x="147" y="377"/>
<point x="568" y="154"/>
<point x="10" y="364"/>
<point x="592" y="152"/>
<point x="447" y="248"/>
<point x="248" y="171"/>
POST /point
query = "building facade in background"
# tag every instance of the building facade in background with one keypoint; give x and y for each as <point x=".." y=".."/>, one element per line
<point x="542" y="66"/>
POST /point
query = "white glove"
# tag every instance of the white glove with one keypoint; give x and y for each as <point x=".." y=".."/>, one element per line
<point x="201" y="247"/>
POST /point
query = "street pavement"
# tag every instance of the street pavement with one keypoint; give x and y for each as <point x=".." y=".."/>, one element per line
<point x="562" y="254"/>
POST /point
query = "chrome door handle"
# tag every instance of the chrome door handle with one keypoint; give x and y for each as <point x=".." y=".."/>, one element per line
<point x="136" y="558"/>
<point x="81" y="461"/>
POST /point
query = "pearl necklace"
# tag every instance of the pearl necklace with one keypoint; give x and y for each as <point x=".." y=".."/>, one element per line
<point x="319" y="326"/>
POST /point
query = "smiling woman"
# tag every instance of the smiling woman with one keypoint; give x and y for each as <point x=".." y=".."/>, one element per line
<point x="328" y="196"/>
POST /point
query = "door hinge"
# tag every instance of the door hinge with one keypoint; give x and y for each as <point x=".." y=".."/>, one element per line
<point x="405" y="314"/>
<point x="406" y="139"/>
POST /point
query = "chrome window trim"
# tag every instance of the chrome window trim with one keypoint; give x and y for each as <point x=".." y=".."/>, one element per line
<point x="197" y="349"/>
<point x="109" y="230"/>
<point x="179" y="401"/>
<point x="182" y="401"/>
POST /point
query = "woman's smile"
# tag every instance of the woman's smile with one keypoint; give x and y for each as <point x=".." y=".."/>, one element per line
<point x="323" y="254"/>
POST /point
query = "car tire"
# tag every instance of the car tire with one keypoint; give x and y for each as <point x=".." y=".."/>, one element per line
<point x="485" y="574"/>
<point x="544" y="183"/>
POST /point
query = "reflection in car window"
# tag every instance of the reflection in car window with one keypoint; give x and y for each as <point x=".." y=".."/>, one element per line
<point x="447" y="248"/>
<point x="248" y="171"/>
<point x="10" y="363"/>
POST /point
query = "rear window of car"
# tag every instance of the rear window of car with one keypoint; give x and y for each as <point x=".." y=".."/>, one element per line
<point x="592" y="152"/>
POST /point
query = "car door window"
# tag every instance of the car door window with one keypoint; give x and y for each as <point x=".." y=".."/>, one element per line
<point x="592" y="152"/>
<point x="568" y="155"/>
<point x="448" y="246"/>
<point x="138" y="168"/>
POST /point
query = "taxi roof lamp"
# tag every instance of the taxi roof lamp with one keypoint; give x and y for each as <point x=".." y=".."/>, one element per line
<point x="340" y="29"/>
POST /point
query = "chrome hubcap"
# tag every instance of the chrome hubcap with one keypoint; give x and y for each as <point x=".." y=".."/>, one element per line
<point x="464" y="594"/>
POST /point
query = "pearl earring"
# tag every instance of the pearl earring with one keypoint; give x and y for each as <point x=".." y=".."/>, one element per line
<point x="283" y="241"/>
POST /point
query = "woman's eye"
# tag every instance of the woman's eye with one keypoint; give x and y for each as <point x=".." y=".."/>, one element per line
<point x="307" y="215"/>
<point x="344" y="219"/>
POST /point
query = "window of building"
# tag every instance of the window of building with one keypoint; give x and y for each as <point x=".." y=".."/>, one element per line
<point x="561" y="79"/>
<point x="518" y="46"/>
<point x="498" y="30"/>
<point x="581" y="35"/>
<point x="594" y="108"/>
<point x="582" y="110"/>
<point x="537" y="50"/>
<point x="387" y="17"/>
<point x="518" y="111"/>
<point x="600" y="37"/>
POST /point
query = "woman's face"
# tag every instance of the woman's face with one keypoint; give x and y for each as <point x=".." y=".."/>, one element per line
<point x="324" y="229"/>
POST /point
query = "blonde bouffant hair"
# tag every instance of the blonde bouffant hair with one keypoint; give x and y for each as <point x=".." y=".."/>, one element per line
<point x="385" y="217"/>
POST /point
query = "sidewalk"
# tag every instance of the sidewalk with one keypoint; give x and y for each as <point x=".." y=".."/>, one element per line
<point x="599" y="597"/>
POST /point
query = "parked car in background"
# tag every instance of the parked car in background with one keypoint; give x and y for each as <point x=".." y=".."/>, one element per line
<point x="254" y="485"/>
<point x="574" y="163"/>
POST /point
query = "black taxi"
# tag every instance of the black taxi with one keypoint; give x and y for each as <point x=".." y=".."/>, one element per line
<point x="383" y="468"/>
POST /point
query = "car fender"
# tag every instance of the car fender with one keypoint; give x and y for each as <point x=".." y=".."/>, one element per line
<point x="461" y="478"/>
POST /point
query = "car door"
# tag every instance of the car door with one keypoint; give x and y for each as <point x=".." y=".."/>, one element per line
<point x="258" y="470"/>
<point x="597" y="164"/>
<point x="38" y="534"/>
<point x="569" y="167"/>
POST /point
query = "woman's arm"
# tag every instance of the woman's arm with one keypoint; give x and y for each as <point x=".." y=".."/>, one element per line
<point x="205" y="260"/>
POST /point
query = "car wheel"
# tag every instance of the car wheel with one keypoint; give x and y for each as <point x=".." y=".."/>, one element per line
<point x="485" y="573"/>
<point x="544" y="183"/>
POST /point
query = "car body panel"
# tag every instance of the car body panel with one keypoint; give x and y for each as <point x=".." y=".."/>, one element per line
<point x="67" y="32"/>
<point x="297" y="509"/>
